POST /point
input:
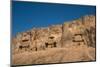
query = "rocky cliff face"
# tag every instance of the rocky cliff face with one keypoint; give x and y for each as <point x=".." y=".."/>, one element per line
<point x="80" y="31"/>
<point x="68" y="42"/>
<point x="73" y="33"/>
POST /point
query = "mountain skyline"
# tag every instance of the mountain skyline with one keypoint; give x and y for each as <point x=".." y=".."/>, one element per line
<point x="27" y="15"/>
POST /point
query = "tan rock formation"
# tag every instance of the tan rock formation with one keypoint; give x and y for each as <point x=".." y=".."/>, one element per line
<point x="76" y="33"/>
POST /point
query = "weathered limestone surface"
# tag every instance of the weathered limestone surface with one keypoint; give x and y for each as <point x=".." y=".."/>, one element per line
<point x="71" y="33"/>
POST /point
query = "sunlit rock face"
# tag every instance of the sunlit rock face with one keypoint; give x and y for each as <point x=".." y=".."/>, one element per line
<point x="68" y="42"/>
<point x="81" y="31"/>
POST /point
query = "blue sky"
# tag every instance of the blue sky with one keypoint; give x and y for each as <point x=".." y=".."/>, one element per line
<point x="27" y="15"/>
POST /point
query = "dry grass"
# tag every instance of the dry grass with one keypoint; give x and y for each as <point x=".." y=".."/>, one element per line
<point x="55" y="55"/>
